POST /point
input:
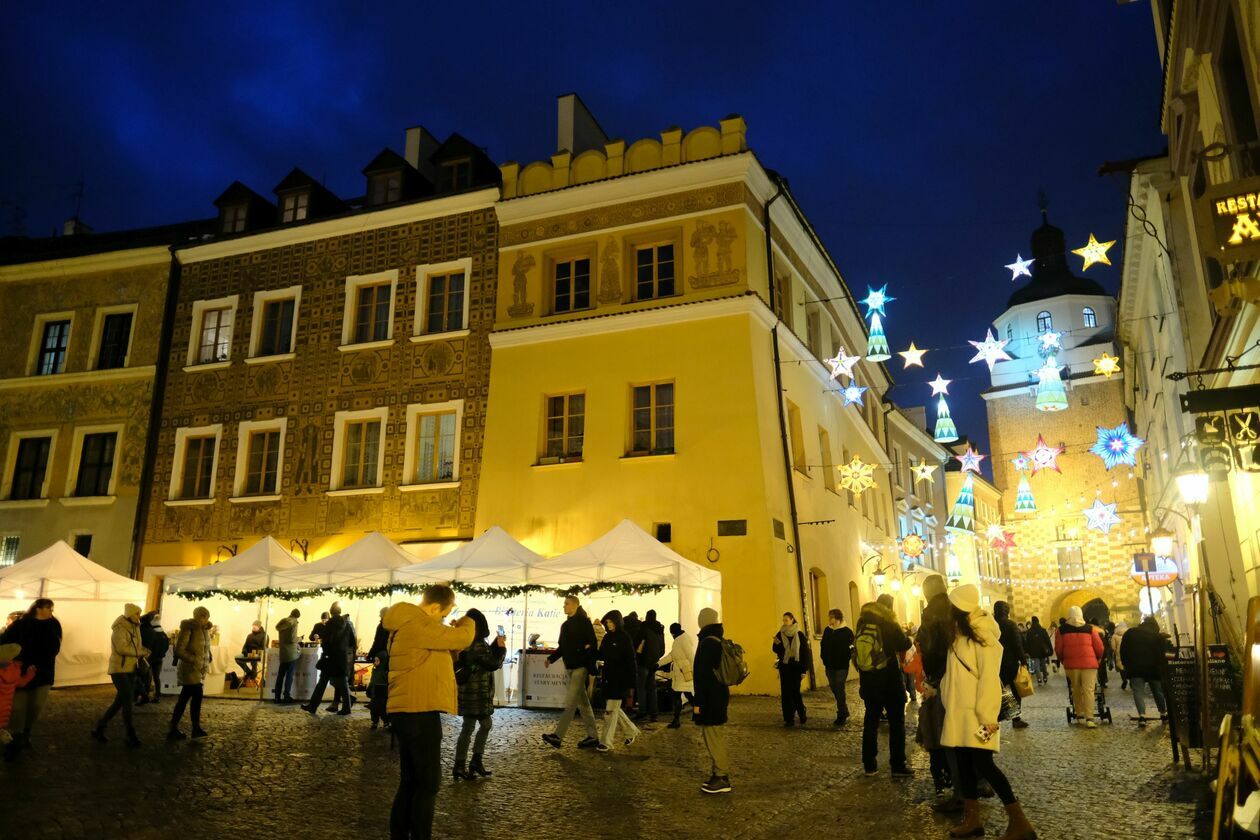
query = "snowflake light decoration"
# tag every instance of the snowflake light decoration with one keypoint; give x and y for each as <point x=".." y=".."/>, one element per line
<point x="970" y="460"/>
<point x="913" y="546"/>
<point x="856" y="476"/>
<point x="1094" y="252"/>
<point x="1019" y="268"/>
<point x="1101" y="517"/>
<point x="1044" y="456"/>
<point x="842" y="363"/>
<point x="853" y="394"/>
<point x="1050" y="341"/>
<point x="1117" y="446"/>
<point x="990" y="350"/>
<point x="875" y="300"/>
<point x="1106" y="365"/>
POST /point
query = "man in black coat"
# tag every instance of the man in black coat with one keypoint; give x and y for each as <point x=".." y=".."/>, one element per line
<point x="649" y="648"/>
<point x="882" y="689"/>
<point x="1012" y="656"/>
<point x="577" y="648"/>
<point x="1141" y="651"/>
<point x="1039" y="648"/>
<point x="336" y="648"/>
<point x="836" y="648"/>
<point x="711" y="699"/>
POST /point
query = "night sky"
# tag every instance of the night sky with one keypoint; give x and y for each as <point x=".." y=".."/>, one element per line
<point x="915" y="135"/>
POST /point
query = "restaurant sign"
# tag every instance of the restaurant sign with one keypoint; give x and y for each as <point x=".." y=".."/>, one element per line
<point x="1233" y="217"/>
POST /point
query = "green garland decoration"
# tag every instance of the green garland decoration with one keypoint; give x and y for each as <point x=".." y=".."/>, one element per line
<point x="514" y="591"/>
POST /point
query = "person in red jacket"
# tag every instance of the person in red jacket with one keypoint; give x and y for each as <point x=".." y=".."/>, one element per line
<point x="11" y="679"/>
<point x="1080" y="648"/>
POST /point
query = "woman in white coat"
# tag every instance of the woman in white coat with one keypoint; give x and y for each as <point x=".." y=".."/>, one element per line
<point x="681" y="656"/>
<point x="972" y="694"/>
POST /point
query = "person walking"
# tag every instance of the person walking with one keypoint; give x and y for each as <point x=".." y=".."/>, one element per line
<point x="1080" y="649"/>
<point x="378" y="685"/>
<point x="972" y="694"/>
<point x="1039" y="649"/>
<point x="836" y="649"/>
<point x="1141" y="651"/>
<point x="679" y="662"/>
<point x="251" y="653"/>
<point x="476" y="666"/>
<point x="617" y="677"/>
<point x="792" y="660"/>
<point x="1012" y="656"/>
<point x="933" y="639"/>
<point x="39" y="634"/>
<point x="290" y="653"/>
<point x="11" y="679"/>
<point x="1117" y="641"/>
<point x="711" y="699"/>
<point x="421" y="687"/>
<point x="153" y="637"/>
<point x="878" y="641"/>
<point x="126" y="654"/>
<point x="577" y="648"/>
<point x="192" y="662"/>
<point x="334" y="664"/>
<point x="648" y="653"/>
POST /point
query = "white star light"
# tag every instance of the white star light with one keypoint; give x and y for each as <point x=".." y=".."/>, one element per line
<point x="875" y="300"/>
<point x="1048" y="372"/>
<point x="1050" y="340"/>
<point x="853" y="394"/>
<point x="970" y="460"/>
<point x="1101" y="517"/>
<point x="1019" y="268"/>
<point x="842" y="363"/>
<point x="939" y="385"/>
<point x="990" y="350"/>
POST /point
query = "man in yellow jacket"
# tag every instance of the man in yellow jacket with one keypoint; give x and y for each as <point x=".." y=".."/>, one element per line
<point x="422" y="654"/>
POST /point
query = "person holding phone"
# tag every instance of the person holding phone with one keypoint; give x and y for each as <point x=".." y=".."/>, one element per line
<point x="474" y="674"/>
<point x="972" y="693"/>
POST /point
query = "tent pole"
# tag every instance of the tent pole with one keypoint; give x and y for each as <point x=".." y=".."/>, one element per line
<point x="520" y="667"/>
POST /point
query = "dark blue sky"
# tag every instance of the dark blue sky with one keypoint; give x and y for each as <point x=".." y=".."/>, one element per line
<point x="915" y="135"/>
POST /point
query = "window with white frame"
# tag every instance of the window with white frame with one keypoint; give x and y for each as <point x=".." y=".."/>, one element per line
<point x="432" y="455"/>
<point x="94" y="472"/>
<point x="1044" y="322"/>
<point x="52" y="340"/>
<point x="196" y="461"/>
<point x="30" y="454"/>
<point x="358" y="449"/>
<point x="259" y="457"/>
<point x="654" y="271"/>
<point x="565" y="426"/>
<point x="9" y="544"/>
<point x="652" y="419"/>
<point x="212" y="323"/>
<point x="442" y="292"/>
<point x="1091" y="319"/>
<point x="274" y="329"/>
<point x="293" y="206"/>
<point x="369" y="308"/>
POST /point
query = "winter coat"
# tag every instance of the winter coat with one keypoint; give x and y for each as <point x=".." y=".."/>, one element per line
<point x="933" y="638"/>
<point x="380" y="643"/>
<point x="422" y="660"/>
<point x="1012" y="649"/>
<point x="254" y="643"/>
<point x="710" y="697"/>
<point x="653" y="648"/>
<point x="287" y="632"/>
<point x="972" y="688"/>
<point x="681" y="659"/>
<point x="334" y="643"/>
<point x="11" y="679"/>
<point x="883" y="684"/>
<point x="41" y="642"/>
<point x="1142" y="650"/>
<point x="476" y="695"/>
<point x="617" y="677"/>
<point x="836" y="648"/>
<point x="805" y="657"/>
<point x="577" y="645"/>
<point x="153" y="637"/>
<point x="192" y="652"/>
<point x="125" y="648"/>
<point x="1079" y="647"/>
<point x="1037" y="643"/>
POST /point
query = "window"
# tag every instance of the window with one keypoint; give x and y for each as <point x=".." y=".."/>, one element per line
<point x="52" y="347"/>
<point x="1044" y="322"/>
<point x="455" y="175"/>
<point x="844" y="459"/>
<point x="369" y="308"/>
<point x="83" y="544"/>
<point x="435" y="447"/>
<point x="663" y="531"/>
<point x="799" y="460"/>
<point x="293" y="206"/>
<point x="197" y="477"/>
<point x="277" y="327"/>
<point x="214" y="341"/>
<point x="1091" y="320"/>
<point x="652" y="420"/>
<point x="1071" y="567"/>
<point x="444" y="305"/>
<point x="1232" y="76"/>
<point x="813" y="331"/>
<point x="262" y="463"/>
<point x="654" y="271"/>
<point x="361" y="454"/>
<point x="1010" y="332"/>
<point x="385" y="188"/>
<point x="566" y="426"/>
<point x="828" y="469"/>
<point x="234" y="218"/>
<point x="115" y="341"/>
<point x="30" y="468"/>
<point x="572" y="285"/>
<point x="96" y="464"/>
<point x="819" y="602"/>
<point x="783" y="298"/>
<point x="898" y="468"/>
<point x="9" y="549"/>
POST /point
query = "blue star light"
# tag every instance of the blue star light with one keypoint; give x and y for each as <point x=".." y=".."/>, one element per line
<point x="875" y="300"/>
<point x="1117" y="446"/>
<point x="853" y="394"/>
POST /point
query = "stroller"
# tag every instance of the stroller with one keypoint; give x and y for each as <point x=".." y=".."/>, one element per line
<point x="1100" y="700"/>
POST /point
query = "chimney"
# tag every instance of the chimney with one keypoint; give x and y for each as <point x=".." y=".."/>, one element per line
<point x="420" y="147"/>
<point x="74" y="227"/>
<point x="576" y="128"/>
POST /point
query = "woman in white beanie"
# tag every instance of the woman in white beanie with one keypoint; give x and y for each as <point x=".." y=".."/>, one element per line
<point x="126" y="654"/>
<point x="972" y="694"/>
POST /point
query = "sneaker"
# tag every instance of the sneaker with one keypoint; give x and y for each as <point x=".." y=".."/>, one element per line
<point x="587" y="743"/>
<point x="871" y="771"/>
<point x="175" y="735"/>
<point x="1089" y="724"/>
<point x="602" y="747"/>
<point x="1019" y="723"/>
<point x="199" y="733"/>
<point x="551" y="739"/>
<point x="717" y="784"/>
<point x="902" y="773"/>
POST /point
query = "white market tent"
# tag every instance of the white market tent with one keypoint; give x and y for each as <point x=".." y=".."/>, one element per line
<point x="369" y="561"/>
<point x="88" y="597"/>
<point x="493" y="558"/>
<point x="253" y="568"/>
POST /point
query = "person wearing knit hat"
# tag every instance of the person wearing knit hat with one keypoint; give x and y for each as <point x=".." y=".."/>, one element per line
<point x="934" y="637"/>
<point x="192" y="661"/>
<point x="127" y="654"/>
<point x="879" y="641"/>
<point x="710" y="700"/>
<point x="972" y="693"/>
<point x="1080" y="648"/>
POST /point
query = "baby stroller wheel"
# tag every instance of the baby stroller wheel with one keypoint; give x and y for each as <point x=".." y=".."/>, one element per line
<point x="1070" y="715"/>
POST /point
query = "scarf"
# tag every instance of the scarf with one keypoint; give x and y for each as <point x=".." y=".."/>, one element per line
<point x="790" y="637"/>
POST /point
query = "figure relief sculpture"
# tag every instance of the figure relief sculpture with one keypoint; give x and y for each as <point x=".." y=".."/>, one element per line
<point x="610" y="274"/>
<point x="700" y="241"/>
<point x="521" y="307"/>
<point x="723" y="236"/>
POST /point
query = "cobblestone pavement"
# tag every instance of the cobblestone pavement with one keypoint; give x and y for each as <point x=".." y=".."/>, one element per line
<point x="274" y="771"/>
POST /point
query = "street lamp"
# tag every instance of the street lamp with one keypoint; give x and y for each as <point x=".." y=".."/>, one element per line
<point x="1162" y="542"/>
<point x="1192" y="484"/>
<point x="895" y="586"/>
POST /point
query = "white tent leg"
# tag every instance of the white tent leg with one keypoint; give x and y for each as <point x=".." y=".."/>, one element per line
<point x="520" y="662"/>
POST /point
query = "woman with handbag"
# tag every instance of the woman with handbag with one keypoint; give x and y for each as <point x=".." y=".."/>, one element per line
<point x="1013" y="657"/>
<point x="972" y="694"/>
<point x="127" y="655"/>
<point x="792" y="659"/>
<point x="474" y="678"/>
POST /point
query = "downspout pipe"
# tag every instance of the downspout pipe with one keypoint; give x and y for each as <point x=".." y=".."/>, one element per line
<point x="781" y="190"/>
<point x="148" y="469"/>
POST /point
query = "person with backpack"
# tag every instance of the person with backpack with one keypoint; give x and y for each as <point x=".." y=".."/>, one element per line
<point x="877" y="643"/>
<point x="836" y="649"/>
<point x="648" y="653"/>
<point x="792" y="660"/>
<point x="679" y="661"/>
<point x="1039" y="649"/>
<point x="474" y="676"/>
<point x="617" y="678"/>
<point x="712" y="696"/>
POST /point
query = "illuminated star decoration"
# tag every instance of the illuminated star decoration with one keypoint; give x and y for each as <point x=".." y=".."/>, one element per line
<point x="875" y="300"/>
<point x="1019" y="268"/>
<point x="990" y="350"/>
<point x="1101" y="517"/>
<point x="842" y="363"/>
<point x="1117" y="446"/>
<point x="1050" y="341"/>
<point x="939" y="385"/>
<point x="913" y="356"/>
<point x="1094" y="252"/>
<point x="1020" y="462"/>
<point x="923" y="471"/>
<point x="998" y="537"/>
<point x="970" y="460"/>
<point x="853" y="394"/>
<point x="856" y="476"/>
<point x="1106" y="365"/>
<point x="1044" y="456"/>
<point x="913" y="546"/>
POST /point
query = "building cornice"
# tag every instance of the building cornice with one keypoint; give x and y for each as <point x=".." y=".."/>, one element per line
<point x="83" y="377"/>
<point x="86" y="264"/>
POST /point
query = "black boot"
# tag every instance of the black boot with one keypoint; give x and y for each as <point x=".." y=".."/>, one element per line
<point x="132" y="739"/>
<point x="98" y="734"/>
<point x="460" y="774"/>
<point x="476" y="767"/>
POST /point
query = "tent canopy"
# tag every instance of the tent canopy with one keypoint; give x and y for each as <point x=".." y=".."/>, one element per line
<point x="61" y="573"/>
<point x="369" y="561"/>
<point x="253" y="568"/>
<point x="626" y="554"/>
<point x="493" y="558"/>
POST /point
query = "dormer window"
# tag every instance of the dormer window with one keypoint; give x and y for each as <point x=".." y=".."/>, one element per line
<point x="293" y="207"/>
<point x="1091" y="320"/>
<point x="455" y="175"/>
<point x="1044" y="322"/>
<point x="234" y="217"/>
<point x="385" y="188"/>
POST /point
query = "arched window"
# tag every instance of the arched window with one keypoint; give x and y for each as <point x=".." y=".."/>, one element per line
<point x="1044" y="324"/>
<point x="1091" y="320"/>
<point x="1010" y="333"/>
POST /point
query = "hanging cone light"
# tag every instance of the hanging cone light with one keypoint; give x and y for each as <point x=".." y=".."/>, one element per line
<point x="1051" y="395"/>
<point x="877" y="344"/>
<point x="963" y="517"/>
<point x="945" y="431"/>
<point x="1024" y="502"/>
